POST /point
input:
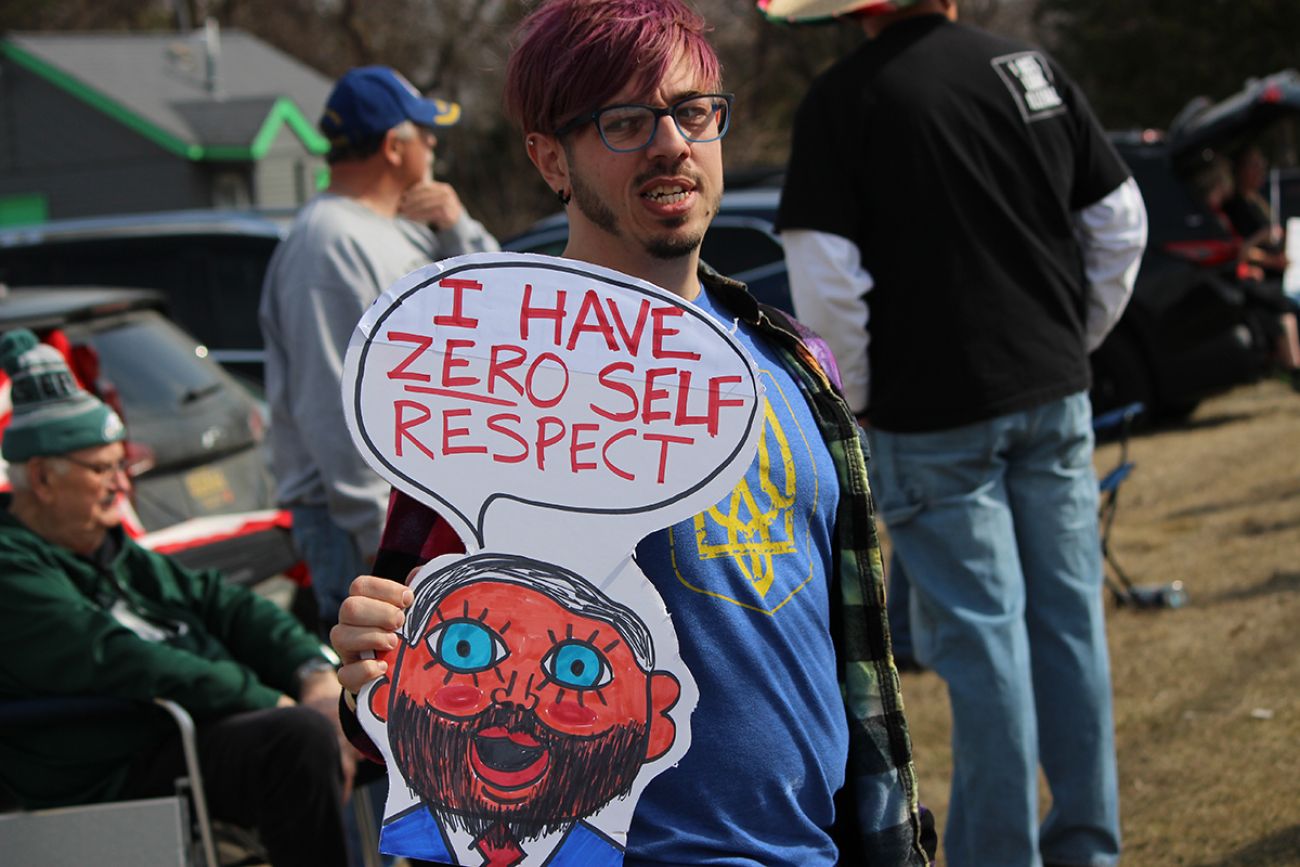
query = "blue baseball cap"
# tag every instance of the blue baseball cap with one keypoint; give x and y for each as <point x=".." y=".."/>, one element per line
<point x="370" y="100"/>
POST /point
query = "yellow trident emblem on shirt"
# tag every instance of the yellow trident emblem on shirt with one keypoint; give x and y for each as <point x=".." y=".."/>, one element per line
<point x="755" y="528"/>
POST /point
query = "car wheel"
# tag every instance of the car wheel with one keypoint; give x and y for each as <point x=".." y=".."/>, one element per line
<point x="1119" y="375"/>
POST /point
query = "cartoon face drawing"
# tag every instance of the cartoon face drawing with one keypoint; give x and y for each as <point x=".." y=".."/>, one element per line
<point x="522" y="697"/>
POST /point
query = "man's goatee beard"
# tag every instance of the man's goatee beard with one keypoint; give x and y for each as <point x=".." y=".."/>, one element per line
<point x="668" y="249"/>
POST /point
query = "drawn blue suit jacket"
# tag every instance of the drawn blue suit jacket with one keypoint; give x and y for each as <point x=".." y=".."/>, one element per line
<point x="417" y="834"/>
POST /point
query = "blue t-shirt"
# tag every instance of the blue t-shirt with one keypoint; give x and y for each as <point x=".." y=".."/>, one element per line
<point x="747" y="585"/>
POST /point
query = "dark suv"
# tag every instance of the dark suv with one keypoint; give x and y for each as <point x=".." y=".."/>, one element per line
<point x="201" y="487"/>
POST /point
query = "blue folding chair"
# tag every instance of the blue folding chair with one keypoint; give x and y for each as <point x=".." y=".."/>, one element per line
<point x="1126" y="593"/>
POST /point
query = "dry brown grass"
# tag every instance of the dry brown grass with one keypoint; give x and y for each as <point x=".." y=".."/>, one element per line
<point x="1207" y="697"/>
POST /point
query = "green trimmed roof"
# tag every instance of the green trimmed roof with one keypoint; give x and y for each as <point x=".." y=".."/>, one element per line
<point x="156" y="84"/>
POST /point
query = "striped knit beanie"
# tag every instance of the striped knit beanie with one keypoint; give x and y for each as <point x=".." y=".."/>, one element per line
<point x="52" y="414"/>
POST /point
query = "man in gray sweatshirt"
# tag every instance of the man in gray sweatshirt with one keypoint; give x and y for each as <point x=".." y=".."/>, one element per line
<point x="381" y="216"/>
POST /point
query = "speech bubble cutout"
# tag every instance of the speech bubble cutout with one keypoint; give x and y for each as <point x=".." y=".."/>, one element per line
<point x="552" y="383"/>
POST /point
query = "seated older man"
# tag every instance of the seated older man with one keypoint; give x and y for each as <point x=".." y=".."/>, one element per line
<point x="86" y="611"/>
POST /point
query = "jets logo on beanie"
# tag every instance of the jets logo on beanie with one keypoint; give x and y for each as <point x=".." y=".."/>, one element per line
<point x="52" y="415"/>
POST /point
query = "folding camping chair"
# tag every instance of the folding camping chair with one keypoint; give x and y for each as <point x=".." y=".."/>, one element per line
<point x="1171" y="595"/>
<point x="153" y="831"/>
<point x="170" y="830"/>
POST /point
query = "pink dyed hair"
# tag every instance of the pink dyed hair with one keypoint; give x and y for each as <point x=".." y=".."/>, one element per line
<point x="572" y="56"/>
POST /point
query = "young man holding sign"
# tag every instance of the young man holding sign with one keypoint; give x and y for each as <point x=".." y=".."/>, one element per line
<point x="776" y="592"/>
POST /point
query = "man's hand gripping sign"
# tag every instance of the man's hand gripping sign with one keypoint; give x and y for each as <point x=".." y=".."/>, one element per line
<point x="555" y="413"/>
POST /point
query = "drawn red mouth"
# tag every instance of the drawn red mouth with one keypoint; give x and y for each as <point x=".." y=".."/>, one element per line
<point x="508" y="760"/>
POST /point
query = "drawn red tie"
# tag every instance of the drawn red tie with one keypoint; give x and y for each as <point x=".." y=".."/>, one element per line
<point x="499" y="848"/>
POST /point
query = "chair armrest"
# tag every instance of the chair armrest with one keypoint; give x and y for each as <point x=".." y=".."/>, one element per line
<point x="1124" y="415"/>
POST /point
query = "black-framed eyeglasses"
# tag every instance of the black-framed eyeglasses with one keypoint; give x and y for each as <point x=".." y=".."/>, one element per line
<point x="631" y="127"/>
<point x="101" y="468"/>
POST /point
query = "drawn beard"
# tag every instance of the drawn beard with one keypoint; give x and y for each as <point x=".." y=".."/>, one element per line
<point x="582" y="774"/>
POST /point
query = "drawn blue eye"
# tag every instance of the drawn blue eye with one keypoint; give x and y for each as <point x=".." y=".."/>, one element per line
<point x="577" y="666"/>
<point x="466" y="646"/>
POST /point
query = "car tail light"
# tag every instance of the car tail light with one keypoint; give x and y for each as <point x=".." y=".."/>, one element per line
<point x="1207" y="253"/>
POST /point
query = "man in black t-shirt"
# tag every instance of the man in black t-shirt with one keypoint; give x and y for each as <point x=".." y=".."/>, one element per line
<point x="962" y="179"/>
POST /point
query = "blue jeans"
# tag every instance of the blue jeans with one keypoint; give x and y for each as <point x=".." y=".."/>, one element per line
<point x="332" y="557"/>
<point x="995" y="524"/>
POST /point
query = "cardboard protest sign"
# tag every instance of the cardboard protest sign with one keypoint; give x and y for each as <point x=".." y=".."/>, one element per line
<point x="555" y="413"/>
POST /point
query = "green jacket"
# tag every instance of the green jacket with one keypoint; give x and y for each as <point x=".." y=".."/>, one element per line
<point x="223" y="649"/>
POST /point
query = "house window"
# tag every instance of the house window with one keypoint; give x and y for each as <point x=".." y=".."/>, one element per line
<point x="230" y="190"/>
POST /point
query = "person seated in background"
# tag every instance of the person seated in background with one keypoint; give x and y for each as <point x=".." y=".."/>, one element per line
<point x="1217" y="190"/>
<point x="1255" y="261"/>
<point x="88" y="612"/>
<point x="1249" y="212"/>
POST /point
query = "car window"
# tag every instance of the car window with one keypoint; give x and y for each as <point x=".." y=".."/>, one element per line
<point x="153" y="365"/>
<point x="119" y="262"/>
<point x="733" y="247"/>
<point x="549" y="248"/>
<point x="234" y="272"/>
<point x="549" y="241"/>
<point x="212" y="282"/>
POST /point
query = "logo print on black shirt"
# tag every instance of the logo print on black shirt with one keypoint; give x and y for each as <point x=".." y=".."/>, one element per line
<point x="1029" y="79"/>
